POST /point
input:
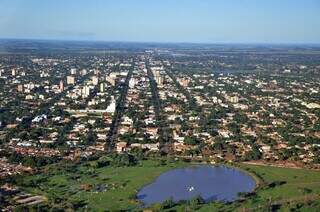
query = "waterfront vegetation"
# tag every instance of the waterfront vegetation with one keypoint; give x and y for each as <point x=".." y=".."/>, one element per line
<point x="112" y="184"/>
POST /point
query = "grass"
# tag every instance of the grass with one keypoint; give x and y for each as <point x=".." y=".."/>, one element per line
<point x="297" y="189"/>
<point x="297" y="186"/>
<point x="79" y="184"/>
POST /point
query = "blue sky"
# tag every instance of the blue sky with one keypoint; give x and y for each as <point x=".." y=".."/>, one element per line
<point x="200" y="21"/>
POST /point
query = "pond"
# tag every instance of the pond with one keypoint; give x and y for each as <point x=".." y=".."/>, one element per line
<point x="212" y="183"/>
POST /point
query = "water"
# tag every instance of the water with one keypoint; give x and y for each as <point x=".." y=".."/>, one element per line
<point x="212" y="183"/>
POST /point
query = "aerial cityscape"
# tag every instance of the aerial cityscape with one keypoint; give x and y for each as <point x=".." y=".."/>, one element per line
<point x="94" y="125"/>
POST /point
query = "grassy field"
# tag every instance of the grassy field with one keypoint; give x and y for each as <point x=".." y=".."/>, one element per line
<point x="281" y="188"/>
<point x="65" y="184"/>
<point x="294" y="186"/>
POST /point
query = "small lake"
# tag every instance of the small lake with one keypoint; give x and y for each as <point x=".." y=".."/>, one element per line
<point x="212" y="183"/>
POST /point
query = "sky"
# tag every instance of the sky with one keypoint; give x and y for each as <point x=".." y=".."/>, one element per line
<point x="194" y="21"/>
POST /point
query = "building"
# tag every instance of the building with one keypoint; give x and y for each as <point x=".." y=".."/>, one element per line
<point x="184" y="82"/>
<point x="121" y="147"/>
<point x="94" y="80"/>
<point x="112" y="107"/>
<point x="70" y="80"/>
<point x="20" y="88"/>
<point x="61" y="86"/>
<point x="73" y="71"/>
<point x="102" y="87"/>
<point x="132" y="82"/>
<point x="83" y="72"/>
<point x="85" y="91"/>
<point x="232" y="99"/>
<point x="158" y="78"/>
<point x="14" y="72"/>
<point x="111" y="80"/>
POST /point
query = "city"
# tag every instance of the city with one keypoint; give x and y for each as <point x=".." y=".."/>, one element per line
<point x="160" y="106"/>
<point x="154" y="103"/>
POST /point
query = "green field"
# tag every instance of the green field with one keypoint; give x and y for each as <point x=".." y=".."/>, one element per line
<point x="67" y="184"/>
<point x="283" y="189"/>
<point x="71" y="186"/>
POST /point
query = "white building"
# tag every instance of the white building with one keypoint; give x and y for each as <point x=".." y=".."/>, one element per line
<point x="102" y="87"/>
<point x="73" y="71"/>
<point x="112" y="107"/>
<point x="70" y="80"/>
<point x="132" y="82"/>
<point x="85" y="91"/>
<point x="94" y="80"/>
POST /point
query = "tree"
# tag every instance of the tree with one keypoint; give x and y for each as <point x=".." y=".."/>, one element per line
<point x="103" y="161"/>
<point x="196" y="202"/>
<point x="123" y="159"/>
<point x="254" y="154"/>
<point x="191" y="140"/>
<point x="91" y="137"/>
<point x="169" y="203"/>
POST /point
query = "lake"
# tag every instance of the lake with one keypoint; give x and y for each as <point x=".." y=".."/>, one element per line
<point x="212" y="183"/>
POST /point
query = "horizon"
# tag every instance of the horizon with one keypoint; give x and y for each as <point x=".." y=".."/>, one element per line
<point x="207" y="22"/>
<point x="159" y="42"/>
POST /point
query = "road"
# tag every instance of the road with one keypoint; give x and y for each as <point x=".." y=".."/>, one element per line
<point x="112" y="135"/>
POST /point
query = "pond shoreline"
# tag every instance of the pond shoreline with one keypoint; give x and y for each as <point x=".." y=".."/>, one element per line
<point x="227" y="195"/>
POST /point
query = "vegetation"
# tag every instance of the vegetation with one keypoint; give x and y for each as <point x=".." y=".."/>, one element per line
<point x="111" y="183"/>
<point x="108" y="186"/>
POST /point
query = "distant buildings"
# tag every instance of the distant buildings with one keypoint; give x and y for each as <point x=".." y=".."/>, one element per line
<point x="14" y="72"/>
<point x="61" y="86"/>
<point x="158" y="78"/>
<point x="184" y="82"/>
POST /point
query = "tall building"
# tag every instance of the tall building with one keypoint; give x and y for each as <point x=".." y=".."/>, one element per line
<point x="157" y="77"/>
<point x="13" y="72"/>
<point x="96" y="72"/>
<point x="61" y="86"/>
<point x="111" y="80"/>
<point x="20" y="88"/>
<point x="112" y="107"/>
<point x="132" y="82"/>
<point x="73" y="71"/>
<point x="83" y="72"/>
<point x="94" y="80"/>
<point x="102" y="87"/>
<point x="233" y="99"/>
<point x="184" y="82"/>
<point x="70" y="80"/>
<point x="85" y="91"/>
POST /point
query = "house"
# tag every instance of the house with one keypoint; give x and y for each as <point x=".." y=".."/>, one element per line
<point x="121" y="147"/>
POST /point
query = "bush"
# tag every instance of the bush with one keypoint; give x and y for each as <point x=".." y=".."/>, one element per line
<point x="196" y="202"/>
<point x="169" y="203"/>
<point x="124" y="159"/>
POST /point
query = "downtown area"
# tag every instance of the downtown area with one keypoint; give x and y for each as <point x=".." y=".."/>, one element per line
<point x="85" y="126"/>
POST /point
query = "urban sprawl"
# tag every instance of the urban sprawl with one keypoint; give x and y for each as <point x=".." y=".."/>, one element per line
<point x="255" y="106"/>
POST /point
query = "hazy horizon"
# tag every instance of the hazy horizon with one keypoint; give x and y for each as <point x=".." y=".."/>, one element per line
<point x="168" y="21"/>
